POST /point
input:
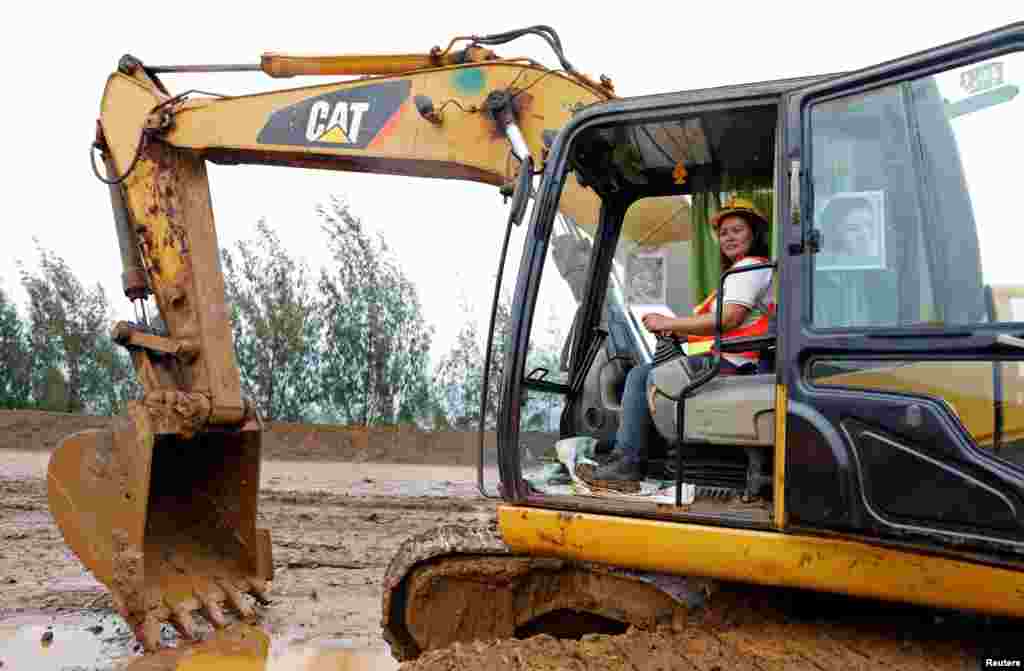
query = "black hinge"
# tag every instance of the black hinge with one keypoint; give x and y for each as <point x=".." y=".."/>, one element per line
<point x="812" y="244"/>
<point x="814" y="241"/>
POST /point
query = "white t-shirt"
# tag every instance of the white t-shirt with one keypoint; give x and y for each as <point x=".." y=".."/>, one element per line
<point x="752" y="290"/>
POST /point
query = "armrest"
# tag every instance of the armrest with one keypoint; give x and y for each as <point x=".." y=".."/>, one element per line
<point x="748" y="344"/>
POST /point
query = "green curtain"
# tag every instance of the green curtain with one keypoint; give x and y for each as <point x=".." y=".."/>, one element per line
<point x="705" y="262"/>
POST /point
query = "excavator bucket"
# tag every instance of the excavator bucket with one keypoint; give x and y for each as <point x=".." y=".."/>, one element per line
<point x="167" y="524"/>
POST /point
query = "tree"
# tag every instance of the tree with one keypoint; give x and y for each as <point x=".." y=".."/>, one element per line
<point x="538" y="408"/>
<point x="15" y="358"/>
<point x="459" y="374"/>
<point x="276" y="325"/>
<point x="377" y="343"/>
<point x="119" y="383"/>
<point x="68" y="326"/>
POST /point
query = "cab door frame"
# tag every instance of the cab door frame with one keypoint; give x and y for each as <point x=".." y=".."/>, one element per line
<point x="824" y="478"/>
<point x="534" y="252"/>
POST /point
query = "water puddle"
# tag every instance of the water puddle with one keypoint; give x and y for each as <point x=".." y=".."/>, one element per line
<point x="102" y="642"/>
<point x="45" y="643"/>
<point x="248" y="648"/>
<point x="333" y="656"/>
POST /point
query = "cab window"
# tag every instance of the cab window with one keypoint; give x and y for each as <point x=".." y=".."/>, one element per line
<point x="911" y="185"/>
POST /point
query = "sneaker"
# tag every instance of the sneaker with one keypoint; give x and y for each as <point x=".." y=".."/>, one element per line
<point x="609" y="457"/>
<point x="619" y="470"/>
<point x="620" y="476"/>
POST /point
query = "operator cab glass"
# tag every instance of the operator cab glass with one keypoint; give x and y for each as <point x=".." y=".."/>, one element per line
<point x="639" y="240"/>
<point x="912" y="187"/>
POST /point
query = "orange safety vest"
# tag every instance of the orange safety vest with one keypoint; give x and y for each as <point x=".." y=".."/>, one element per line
<point x="756" y="324"/>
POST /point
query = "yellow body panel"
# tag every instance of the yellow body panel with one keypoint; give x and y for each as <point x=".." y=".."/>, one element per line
<point x="143" y="193"/>
<point x="765" y="557"/>
<point x="965" y="385"/>
<point x="127" y="102"/>
<point x="779" y="479"/>
<point x="466" y="145"/>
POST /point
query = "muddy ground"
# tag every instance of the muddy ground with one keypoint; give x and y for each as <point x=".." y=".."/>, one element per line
<point x="336" y="525"/>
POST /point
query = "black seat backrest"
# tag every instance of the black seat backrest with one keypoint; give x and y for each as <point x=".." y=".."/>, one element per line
<point x="762" y="344"/>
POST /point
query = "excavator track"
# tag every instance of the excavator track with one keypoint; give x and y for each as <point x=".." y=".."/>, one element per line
<point x="457" y="598"/>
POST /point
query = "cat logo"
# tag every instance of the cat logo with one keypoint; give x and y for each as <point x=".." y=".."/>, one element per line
<point x="339" y="125"/>
<point x="353" y="117"/>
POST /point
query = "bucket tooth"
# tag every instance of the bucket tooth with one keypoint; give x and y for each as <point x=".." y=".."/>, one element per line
<point x="147" y="631"/>
<point x="212" y="611"/>
<point x="260" y="590"/>
<point x="236" y="599"/>
<point x="182" y="620"/>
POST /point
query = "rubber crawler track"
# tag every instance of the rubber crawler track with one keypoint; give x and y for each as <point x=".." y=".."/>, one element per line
<point x="740" y="627"/>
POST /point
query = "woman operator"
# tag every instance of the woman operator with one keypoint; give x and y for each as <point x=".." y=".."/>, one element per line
<point x="742" y="235"/>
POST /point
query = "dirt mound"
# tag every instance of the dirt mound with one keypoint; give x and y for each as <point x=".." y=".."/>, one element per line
<point x="690" y="648"/>
<point x="757" y="628"/>
<point x="636" y="649"/>
<point x="37" y="430"/>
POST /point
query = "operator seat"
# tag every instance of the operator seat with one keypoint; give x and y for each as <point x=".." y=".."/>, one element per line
<point x="727" y="410"/>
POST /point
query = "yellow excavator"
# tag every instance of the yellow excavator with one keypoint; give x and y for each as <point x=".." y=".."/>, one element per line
<point x="875" y="453"/>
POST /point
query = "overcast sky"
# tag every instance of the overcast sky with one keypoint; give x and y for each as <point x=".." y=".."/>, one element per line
<point x="445" y="234"/>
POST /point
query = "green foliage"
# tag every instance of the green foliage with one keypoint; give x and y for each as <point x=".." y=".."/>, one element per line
<point x="376" y="342"/>
<point x="120" y="384"/>
<point x="53" y="392"/>
<point x="458" y="379"/>
<point x="68" y="326"/>
<point x="276" y="326"/>
<point x="15" y="358"/>
<point x="351" y="346"/>
<point x="538" y="407"/>
<point x="458" y="376"/>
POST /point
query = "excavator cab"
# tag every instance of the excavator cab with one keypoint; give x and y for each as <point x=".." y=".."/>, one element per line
<point x="602" y="276"/>
<point x="888" y="400"/>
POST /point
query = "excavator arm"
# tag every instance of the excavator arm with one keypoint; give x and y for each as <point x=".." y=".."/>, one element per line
<point x="162" y="507"/>
<point x="451" y="122"/>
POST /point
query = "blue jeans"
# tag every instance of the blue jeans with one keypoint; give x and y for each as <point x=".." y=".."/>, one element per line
<point x="635" y="426"/>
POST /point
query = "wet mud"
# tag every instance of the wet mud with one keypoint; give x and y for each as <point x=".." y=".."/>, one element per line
<point x="336" y="526"/>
